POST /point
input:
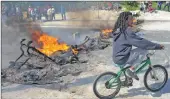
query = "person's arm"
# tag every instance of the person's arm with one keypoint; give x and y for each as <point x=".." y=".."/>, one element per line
<point x="137" y="41"/>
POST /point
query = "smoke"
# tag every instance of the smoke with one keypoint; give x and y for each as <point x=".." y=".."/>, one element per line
<point x="12" y="33"/>
<point x="96" y="19"/>
<point x="71" y="36"/>
<point x="14" y="27"/>
<point x="26" y="29"/>
<point x="88" y="18"/>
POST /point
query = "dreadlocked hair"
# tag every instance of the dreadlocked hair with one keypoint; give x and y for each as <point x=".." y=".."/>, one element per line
<point x="121" y="22"/>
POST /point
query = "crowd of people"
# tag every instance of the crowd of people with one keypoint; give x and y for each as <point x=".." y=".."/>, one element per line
<point x="33" y="12"/>
<point x="146" y="6"/>
<point x="48" y="12"/>
<point x="12" y="10"/>
<point x="167" y="4"/>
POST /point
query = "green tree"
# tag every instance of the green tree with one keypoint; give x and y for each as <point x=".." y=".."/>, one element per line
<point x="130" y="5"/>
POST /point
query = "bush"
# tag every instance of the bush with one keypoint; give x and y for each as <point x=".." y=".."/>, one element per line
<point x="130" y="5"/>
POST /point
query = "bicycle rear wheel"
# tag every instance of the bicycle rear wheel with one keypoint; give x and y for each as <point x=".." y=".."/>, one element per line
<point x="102" y="81"/>
<point x="153" y="83"/>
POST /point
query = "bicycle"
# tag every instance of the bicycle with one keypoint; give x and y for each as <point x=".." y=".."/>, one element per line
<point x="31" y="51"/>
<point x="28" y="53"/>
<point x="114" y="81"/>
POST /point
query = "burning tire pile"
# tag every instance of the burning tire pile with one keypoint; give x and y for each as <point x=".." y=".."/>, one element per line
<point x="46" y="60"/>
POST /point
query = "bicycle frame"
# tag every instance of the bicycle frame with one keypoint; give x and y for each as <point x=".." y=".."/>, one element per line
<point x="142" y="65"/>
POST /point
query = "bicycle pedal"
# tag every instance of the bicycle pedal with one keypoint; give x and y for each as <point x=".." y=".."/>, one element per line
<point x="130" y="84"/>
<point x="129" y="81"/>
<point x="127" y="84"/>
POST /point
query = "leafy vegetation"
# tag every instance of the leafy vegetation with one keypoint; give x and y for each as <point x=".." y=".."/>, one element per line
<point x="154" y="4"/>
<point x="130" y="5"/>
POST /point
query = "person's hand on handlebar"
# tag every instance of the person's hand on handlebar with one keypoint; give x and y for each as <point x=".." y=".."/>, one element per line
<point x="162" y="47"/>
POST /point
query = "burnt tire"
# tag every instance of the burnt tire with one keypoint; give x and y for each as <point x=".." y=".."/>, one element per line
<point x="112" y="95"/>
<point x="164" y="81"/>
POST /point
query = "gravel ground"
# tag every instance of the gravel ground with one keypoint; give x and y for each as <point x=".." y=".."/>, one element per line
<point x="80" y="87"/>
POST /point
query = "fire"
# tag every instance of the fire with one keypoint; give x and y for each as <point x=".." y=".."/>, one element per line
<point x="75" y="51"/>
<point x="48" y="44"/>
<point x="134" y="22"/>
<point x="51" y="45"/>
<point x="106" y="32"/>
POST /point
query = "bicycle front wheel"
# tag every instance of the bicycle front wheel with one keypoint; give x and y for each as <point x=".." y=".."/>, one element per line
<point x="107" y="85"/>
<point x="155" y="81"/>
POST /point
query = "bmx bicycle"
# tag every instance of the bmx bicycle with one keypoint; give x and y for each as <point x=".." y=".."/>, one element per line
<point x="112" y="81"/>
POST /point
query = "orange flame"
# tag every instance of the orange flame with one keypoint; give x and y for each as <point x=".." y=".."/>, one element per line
<point x="75" y="51"/>
<point x="51" y="45"/>
<point x="48" y="44"/>
<point x="134" y="22"/>
<point x="106" y="32"/>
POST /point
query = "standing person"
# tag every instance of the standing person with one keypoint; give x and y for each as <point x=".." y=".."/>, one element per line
<point x="12" y="10"/>
<point x="160" y="5"/>
<point x="142" y="6"/>
<point x="33" y="14"/>
<point x="53" y="13"/>
<point x="7" y="10"/>
<point x="18" y="12"/>
<point x="105" y="6"/>
<point x="146" y="5"/>
<point x="45" y="12"/>
<point x="4" y="14"/>
<point x="167" y="5"/>
<point x="110" y="6"/>
<point x="4" y="10"/>
<point x="41" y="9"/>
<point x="150" y="9"/>
<point x="29" y="11"/>
<point x="49" y="13"/>
<point x="38" y="13"/>
<point x="63" y="12"/>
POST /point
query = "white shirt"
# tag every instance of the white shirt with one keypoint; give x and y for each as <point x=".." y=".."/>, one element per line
<point x="49" y="11"/>
<point x="53" y="10"/>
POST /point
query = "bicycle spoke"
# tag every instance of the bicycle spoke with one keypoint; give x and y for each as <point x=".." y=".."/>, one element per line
<point x="107" y="85"/>
<point x="157" y="80"/>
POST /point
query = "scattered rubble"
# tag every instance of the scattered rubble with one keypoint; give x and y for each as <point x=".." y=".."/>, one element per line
<point x="41" y="69"/>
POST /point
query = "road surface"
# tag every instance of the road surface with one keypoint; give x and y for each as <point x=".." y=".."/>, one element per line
<point x="81" y="86"/>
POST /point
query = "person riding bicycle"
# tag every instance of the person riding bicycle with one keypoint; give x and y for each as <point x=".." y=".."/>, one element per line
<point x="124" y="38"/>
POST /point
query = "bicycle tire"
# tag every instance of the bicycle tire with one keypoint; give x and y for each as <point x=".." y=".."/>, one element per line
<point x="165" y="79"/>
<point x="111" y="95"/>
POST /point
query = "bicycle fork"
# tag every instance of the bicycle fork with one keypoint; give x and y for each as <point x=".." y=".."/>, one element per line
<point x="154" y="73"/>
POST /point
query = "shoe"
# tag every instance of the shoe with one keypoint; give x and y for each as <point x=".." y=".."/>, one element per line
<point x="132" y="74"/>
<point x="128" y="82"/>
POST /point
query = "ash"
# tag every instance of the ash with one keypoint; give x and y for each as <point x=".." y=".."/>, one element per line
<point x="40" y="70"/>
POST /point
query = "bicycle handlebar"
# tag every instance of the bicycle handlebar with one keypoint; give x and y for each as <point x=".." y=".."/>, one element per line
<point x="151" y="53"/>
<point x="28" y="44"/>
<point x="22" y="41"/>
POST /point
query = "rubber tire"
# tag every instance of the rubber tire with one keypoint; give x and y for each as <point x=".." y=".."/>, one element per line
<point x="110" y="96"/>
<point x="147" y="72"/>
